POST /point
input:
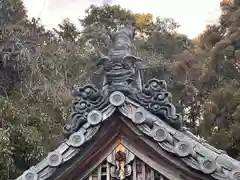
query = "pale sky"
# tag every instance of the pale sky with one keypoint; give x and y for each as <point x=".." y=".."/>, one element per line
<point x="193" y="15"/>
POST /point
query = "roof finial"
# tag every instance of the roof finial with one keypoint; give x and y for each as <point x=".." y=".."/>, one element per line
<point x="122" y="69"/>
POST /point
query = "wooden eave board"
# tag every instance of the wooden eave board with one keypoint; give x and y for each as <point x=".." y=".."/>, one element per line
<point x="146" y="148"/>
<point x="117" y="130"/>
<point x="89" y="152"/>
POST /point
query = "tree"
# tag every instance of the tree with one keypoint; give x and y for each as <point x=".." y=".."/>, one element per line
<point x="12" y="12"/>
<point x="203" y="78"/>
<point x="67" y="31"/>
<point x="103" y="20"/>
<point x="229" y="19"/>
<point x="162" y="38"/>
<point x="109" y="17"/>
<point x="143" y="22"/>
<point x="221" y="81"/>
<point x="210" y="37"/>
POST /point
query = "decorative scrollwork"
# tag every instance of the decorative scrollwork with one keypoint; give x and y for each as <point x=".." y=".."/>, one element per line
<point x="193" y="151"/>
<point x="86" y="99"/>
<point x="149" y="108"/>
<point x="157" y="100"/>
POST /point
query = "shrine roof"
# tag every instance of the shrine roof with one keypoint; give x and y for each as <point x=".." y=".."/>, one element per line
<point x="147" y="105"/>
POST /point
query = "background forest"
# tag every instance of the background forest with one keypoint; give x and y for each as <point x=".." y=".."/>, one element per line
<point x="39" y="67"/>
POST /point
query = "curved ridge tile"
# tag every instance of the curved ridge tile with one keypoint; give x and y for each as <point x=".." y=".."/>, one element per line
<point x="90" y="109"/>
<point x="155" y="98"/>
<point x="149" y="107"/>
<point x="88" y="104"/>
<point x="193" y="151"/>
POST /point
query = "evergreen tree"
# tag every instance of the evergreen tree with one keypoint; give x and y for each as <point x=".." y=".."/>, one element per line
<point x="12" y="12"/>
<point x="221" y="81"/>
<point x="67" y="31"/>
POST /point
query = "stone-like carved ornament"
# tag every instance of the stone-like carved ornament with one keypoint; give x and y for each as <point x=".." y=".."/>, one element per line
<point x="148" y="106"/>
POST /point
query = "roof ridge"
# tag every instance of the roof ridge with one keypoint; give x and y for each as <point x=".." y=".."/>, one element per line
<point x="189" y="148"/>
<point x="148" y="106"/>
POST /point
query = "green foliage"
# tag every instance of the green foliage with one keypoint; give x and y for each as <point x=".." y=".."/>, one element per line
<point x="221" y="118"/>
<point x="159" y="37"/>
<point x="230" y="16"/>
<point x="12" y="12"/>
<point x="37" y="74"/>
<point x="109" y="17"/>
<point x="101" y="21"/>
<point x="68" y="31"/>
<point x="220" y="81"/>
<point x="38" y="70"/>
<point x="210" y="37"/>
<point x="35" y="102"/>
<point x="34" y="112"/>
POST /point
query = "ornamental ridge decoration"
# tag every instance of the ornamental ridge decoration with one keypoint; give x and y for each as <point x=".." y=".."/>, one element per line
<point x="148" y="106"/>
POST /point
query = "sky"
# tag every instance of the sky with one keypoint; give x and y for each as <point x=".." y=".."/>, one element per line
<point x="192" y="15"/>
